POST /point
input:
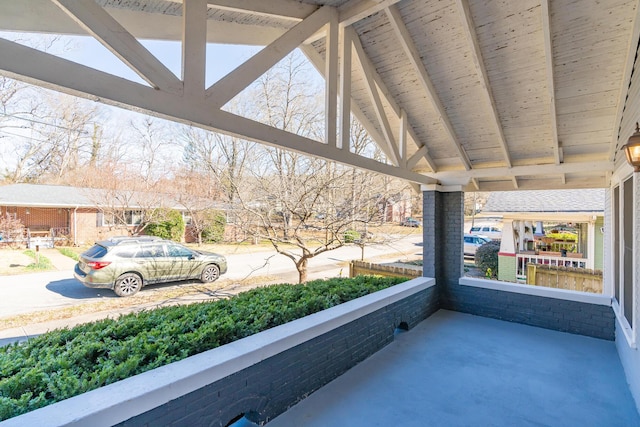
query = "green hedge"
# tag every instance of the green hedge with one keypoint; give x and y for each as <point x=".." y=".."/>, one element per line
<point x="487" y="258"/>
<point x="67" y="362"/>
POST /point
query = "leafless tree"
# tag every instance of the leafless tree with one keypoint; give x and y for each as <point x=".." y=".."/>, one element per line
<point x="303" y="206"/>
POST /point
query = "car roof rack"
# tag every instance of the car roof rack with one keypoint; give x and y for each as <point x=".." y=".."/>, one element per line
<point x="133" y="239"/>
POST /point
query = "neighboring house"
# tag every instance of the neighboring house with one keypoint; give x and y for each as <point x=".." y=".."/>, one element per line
<point x="75" y="215"/>
<point x="525" y="214"/>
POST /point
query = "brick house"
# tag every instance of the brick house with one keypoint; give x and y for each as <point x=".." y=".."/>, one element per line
<point x="523" y="214"/>
<point x="54" y="214"/>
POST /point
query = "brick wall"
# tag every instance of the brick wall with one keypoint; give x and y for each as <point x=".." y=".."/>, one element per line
<point x="443" y="243"/>
<point x="268" y="388"/>
<point x="577" y="317"/>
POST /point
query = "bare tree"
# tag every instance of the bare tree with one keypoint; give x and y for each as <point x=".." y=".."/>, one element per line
<point x="303" y="206"/>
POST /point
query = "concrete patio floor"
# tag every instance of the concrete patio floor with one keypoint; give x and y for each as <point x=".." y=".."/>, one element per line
<point x="457" y="369"/>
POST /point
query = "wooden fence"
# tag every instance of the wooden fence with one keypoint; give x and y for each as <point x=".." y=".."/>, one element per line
<point x="357" y="268"/>
<point x="574" y="279"/>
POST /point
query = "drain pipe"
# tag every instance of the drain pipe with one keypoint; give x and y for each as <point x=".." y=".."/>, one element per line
<point x="75" y="226"/>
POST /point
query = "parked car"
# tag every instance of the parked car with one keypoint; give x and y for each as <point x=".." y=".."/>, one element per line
<point x="410" y="222"/>
<point x="491" y="231"/>
<point x="126" y="264"/>
<point x="473" y="242"/>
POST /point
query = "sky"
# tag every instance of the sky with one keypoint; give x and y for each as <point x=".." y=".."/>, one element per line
<point x="221" y="59"/>
<point x="85" y="50"/>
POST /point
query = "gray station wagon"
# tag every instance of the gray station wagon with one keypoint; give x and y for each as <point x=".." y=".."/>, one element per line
<point x="126" y="264"/>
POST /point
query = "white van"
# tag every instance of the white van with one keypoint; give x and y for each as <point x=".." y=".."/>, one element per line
<point x="493" y="231"/>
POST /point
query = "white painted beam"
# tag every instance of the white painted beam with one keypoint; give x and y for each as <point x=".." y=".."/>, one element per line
<point x="331" y="80"/>
<point x="548" y="54"/>
<point x="355" y="10"/>
<point x="404" y="38"/>
<point x="529" y="170"/>
<point x="478" y="61"/>
<point x="235" y="82"/>
<point x="319" y="64"/>
<point x="345" y="90"/>
<point x="98" y="23"/>
<point x="194" y="46"/>
<point x="245" y="128"/>
<point x="42" y="69"/>
<point x="368" y="71"/>
<point x="417" y="156"/>
<point x="279" y="8"/>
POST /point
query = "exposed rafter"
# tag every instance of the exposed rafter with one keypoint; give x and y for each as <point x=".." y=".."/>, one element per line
<point x="331" y="80"/>
<point x="344" y="118"/>
<point x="35" y="67"/>
<point x="233" y="83"/>
<point x="412" y="55"/>
<point x="472" y="39"/>
<point x="475" y="183"/>
<point x="518" y="171"/>
<point x="98" y="23"/>
<point x="355" y="10"/>
<point x="194" y="36"/>
<point x="281" y="8"/>
<point x="583" y="99"/>
<point x="548" y="53"/>
<point x="366" y="68"/>
<point x="319" y="64"/>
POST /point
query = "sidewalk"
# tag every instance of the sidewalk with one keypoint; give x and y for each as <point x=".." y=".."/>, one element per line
<point x="59" y="261"/>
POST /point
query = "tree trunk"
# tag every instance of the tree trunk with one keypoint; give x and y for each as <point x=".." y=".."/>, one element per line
<point x="302" y="269"/>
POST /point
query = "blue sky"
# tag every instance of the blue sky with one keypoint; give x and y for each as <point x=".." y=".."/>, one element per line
<point x="221" y="59"/>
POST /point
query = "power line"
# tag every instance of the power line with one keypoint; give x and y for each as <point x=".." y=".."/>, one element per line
<point x="83" y="132"/>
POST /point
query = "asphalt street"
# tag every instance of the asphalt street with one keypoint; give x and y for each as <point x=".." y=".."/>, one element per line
<point x="27" y="293"/>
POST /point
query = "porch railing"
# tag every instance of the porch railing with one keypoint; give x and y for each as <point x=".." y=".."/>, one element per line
<point x="554" y="258"/>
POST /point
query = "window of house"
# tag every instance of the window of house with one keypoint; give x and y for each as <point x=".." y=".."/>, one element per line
<point x="628" y="238"/>
<point x="623" y="245"/>
<point x="131" y="217"/>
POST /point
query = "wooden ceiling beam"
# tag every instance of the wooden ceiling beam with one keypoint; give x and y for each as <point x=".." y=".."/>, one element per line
<point x="478" y="61"/>
<point x="376" y="102"/>
<point x="548" y="53"/>
<point x="530" y="170"/>
<point x="403" y="36"/>
<point x="355" y="10"/>
<point x="194" y="45"/>
<point x="287" y="9"/>
<point x="225" y="89"/>
<point x="99" y="24"/>
<point x="319" y="63"/>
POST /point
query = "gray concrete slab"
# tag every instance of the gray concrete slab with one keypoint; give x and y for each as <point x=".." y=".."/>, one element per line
<point x="456" y="369"/>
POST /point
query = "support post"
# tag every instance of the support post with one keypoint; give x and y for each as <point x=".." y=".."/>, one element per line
<point x="443" y="223"/>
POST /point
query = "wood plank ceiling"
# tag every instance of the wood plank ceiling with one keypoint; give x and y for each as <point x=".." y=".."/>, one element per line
<point x="487" y="95"/>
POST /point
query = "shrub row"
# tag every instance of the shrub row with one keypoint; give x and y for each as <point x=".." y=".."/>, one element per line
<point x="67" y="362"/>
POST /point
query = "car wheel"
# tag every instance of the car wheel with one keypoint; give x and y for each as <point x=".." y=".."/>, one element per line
<point x="210" y="273"/>
<point x="127" y="285"/>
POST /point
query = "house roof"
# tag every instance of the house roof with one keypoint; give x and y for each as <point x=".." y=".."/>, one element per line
<point x="549" y="201"/>
<point x="61" y="196"/>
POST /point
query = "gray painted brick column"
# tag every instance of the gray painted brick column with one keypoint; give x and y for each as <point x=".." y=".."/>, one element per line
<point x="443" y="223"/>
